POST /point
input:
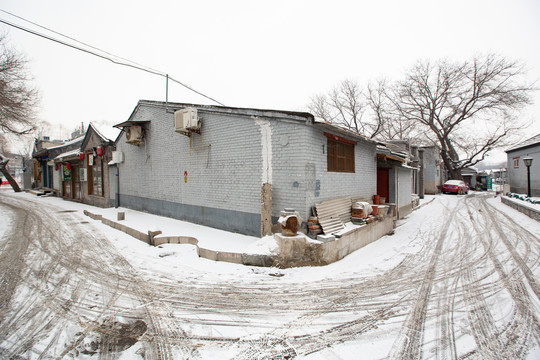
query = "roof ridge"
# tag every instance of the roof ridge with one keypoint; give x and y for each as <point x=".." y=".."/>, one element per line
<point x="525" y="143"/>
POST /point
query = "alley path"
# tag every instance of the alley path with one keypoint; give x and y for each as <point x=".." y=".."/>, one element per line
<point x="468" y="287"/>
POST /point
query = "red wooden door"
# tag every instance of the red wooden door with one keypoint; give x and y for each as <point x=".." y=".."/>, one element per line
<point x="382" y="183"/>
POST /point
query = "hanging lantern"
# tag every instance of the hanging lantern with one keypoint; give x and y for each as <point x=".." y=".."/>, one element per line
<point x="81" y="156"/>
<point x="56" y="166"/>
<point x="99" y="151"/>
<point x="68" y="166"/>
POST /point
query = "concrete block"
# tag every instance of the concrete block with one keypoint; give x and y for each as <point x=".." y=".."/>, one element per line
<point x="208" y="254"/>
<point x="229" y="257"/>
<point x="291" y="247"/>
<point x="258" y="260"/>
<point x="92" y="216"/>
<point x="326" y="238"/>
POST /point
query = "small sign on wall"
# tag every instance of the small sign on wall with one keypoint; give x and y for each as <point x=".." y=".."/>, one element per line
<point x="66" y="172"/>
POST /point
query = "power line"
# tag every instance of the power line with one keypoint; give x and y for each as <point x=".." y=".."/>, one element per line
<point x="73" y="39"/>
<point x="123" y="62"/>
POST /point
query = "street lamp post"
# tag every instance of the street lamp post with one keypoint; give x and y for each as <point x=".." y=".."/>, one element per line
<point x="528" y="162"/>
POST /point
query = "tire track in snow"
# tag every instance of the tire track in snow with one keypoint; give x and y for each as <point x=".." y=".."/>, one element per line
<point x="448" y="280"/>
<point x="12" y="259"/>
<point x="408" y="345"/>
<point x="526" y="318"/>
<point x="35" y="318"/>
<point x="529" y="276"/>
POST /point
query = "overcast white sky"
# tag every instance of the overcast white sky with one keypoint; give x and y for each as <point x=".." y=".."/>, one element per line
<point x="272" y="54"/>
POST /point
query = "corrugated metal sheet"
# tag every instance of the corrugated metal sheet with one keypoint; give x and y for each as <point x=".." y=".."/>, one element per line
<point x="333" y="214"/>
<point x="330" y="226"/>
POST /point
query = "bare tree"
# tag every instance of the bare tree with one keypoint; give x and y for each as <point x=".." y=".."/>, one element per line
<point x="18" y="99"/>
<point x="382" y="113"/>
<point x="371" y="112"/>
<point x="346" y="105"/>
<point x="466" y="108"/>
<point x="4" y="170"/>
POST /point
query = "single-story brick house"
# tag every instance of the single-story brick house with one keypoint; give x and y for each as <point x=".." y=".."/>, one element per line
<point x="469" y="176"/>
<point x="395" y="179"/>
<point x="517" y="171"/>
<point x="46" y="174"/>
<point x="433" y="169"/>
<point x="82" y="171"/>
<point x="209" y="164"/>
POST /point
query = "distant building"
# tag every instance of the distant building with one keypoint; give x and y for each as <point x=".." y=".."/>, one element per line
<point x="15" y="167"/>
<point x="46" y="176"/>
<point x="517" y="171"/>
<point x="395" y="178"/>
<point x="469" y="176"/>
<point x="433" y="170"/>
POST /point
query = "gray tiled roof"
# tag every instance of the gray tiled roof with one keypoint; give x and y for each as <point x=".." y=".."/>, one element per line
<point x="529" y="142"/>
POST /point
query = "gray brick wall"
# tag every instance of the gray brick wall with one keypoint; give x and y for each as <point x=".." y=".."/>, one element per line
<point x="432" y="178"/>
<point x="405" y="186"/>
<point x="518" y="176"/>
<point x="227" y="164"/>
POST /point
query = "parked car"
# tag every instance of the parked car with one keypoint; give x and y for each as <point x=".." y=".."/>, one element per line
<point x="455" y="186"/>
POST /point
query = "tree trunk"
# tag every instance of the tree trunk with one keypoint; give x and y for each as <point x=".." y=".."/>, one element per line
<point x="453" y="173"/>
<point x="9" y="178"/>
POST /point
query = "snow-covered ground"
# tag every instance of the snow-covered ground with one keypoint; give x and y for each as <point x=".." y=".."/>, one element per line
<point x="383" y="255"/>
<point x="458" y="279"/>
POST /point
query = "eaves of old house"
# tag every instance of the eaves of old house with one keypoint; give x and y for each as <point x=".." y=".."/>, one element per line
<point x="533" y="141"/>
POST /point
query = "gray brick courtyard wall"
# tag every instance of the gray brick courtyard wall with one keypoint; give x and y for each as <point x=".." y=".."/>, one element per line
<point x="405" y="190"/>
<point x="432" y="179"/>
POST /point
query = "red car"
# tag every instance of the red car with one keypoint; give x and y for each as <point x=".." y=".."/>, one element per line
<point x="455" y="186"/>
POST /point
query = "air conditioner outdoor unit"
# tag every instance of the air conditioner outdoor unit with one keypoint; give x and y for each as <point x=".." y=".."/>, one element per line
<point x="82" y="174"/>
<point x="186" y="120"/>
<point x="117" y="157"/>
<point x="134" y="135"/>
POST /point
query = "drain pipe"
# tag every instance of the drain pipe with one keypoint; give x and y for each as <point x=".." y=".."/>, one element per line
<point x="397" y="192"/>
<point x="116" y="188"/>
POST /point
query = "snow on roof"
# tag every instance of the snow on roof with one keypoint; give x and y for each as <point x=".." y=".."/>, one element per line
<point x="529" y="142"/>
<point x="344" y="130"/>
<point x="107" y="132"/>
<point x="67" y="154"/>
<point x="470" y="169"/>
<point x="70" y="142"/>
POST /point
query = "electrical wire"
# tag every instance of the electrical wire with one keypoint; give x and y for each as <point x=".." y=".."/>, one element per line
<point x="109" y="56"/>
<point x="77" y="41"/>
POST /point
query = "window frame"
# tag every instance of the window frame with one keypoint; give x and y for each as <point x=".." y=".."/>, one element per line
<point x="516" y="162"/>
<point x="340" y="154"/>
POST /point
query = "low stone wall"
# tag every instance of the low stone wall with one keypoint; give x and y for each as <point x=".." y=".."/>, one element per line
<point x="160" y="240"/>
<point x="530" y="212"/>
<point x="356" y="239"/>
<point x="301" y="251"/>
<point x="132" y="232"/>
<point x="294" y="251"/>
<point x="154" y="238"/>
